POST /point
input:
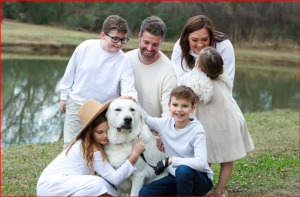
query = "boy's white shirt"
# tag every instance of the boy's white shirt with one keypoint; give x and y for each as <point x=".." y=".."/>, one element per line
<point x="186" y="146"/>
<point x="95" y="73"/>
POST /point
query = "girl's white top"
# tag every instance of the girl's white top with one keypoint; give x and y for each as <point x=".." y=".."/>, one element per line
<point x="95" y="73"/>
<point x="225" y="49"/>
<point x="74" y="164"/>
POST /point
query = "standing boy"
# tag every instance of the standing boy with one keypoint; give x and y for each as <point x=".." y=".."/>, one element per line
<point x="185" y="145"/>
<point x="98" y="69"/>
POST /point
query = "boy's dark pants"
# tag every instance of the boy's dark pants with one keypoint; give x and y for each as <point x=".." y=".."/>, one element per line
<point x="188" y="182"/>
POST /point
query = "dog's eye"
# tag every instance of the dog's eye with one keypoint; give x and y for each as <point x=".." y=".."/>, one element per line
<point x="131" y="109"/>
<point x="117" y="109"/>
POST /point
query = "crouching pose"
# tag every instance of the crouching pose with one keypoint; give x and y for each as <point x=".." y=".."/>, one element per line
<point x="72" y="172"/>
<point x="185" y="145"/>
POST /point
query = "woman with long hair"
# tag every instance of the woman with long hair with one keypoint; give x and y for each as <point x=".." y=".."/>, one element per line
<point x="197" y="34"/>
<point x="72" y="173"/>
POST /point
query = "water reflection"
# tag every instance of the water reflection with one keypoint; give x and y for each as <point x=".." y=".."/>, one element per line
<point x="261" y="90"/>
<point x="30" y="101"/>
<point x="30" y="97"/>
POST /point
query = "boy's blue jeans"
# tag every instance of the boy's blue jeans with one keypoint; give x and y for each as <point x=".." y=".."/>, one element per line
<point x="188" y="182"/>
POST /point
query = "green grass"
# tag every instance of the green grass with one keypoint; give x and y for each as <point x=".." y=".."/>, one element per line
<point x="22" y="33"/>
<point x="272" y="169"/>
<point x="259" y="56"/>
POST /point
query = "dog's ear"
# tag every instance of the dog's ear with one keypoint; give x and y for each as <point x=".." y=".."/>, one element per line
<point x="141" y="115"/>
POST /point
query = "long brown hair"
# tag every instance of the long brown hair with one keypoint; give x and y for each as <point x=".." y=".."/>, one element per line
<point x="193" y="24"/>
<point x="88" y="142"/>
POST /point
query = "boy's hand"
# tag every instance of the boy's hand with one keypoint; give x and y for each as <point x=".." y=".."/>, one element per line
<point x="128" y="97"/>
<point x="161" y="165"/>
<point x="159" y="168"/>
<point x="62" y="106"/>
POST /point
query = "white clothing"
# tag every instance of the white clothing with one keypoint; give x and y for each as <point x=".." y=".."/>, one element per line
<point x="225" y="49"/>
<point x="68" y="175"/>
<point x="72" y="124"/>
<point x="227" y="134"/>
<point x="153" y="83"/>
<point x="95" y="73"/>
<point x="186" y="146"/>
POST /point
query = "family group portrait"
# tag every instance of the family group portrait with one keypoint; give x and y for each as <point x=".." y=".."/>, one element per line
<point x="149" y="98"/>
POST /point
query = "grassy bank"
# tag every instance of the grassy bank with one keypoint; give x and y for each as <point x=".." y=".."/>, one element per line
<point x="23" y="37"/>
<point x="272" y="169"/>
<point x="23" y="34"/>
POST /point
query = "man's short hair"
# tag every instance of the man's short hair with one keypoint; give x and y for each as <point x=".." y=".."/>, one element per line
<point x="154" y="25"/>
<point x="115" y="22"/>
<point x="184" y="92"/>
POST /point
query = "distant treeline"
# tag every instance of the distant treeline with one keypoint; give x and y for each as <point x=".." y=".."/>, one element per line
<point x="244" y="21"/>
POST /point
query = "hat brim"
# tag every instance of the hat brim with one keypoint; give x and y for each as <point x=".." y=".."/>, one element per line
<point x="102" y="109"/>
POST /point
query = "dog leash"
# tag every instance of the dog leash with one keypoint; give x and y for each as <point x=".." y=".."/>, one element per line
<point x="107" y="181"/>
<point x="143" y="157"/>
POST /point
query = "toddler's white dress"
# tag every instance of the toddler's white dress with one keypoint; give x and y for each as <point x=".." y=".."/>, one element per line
<point x="227" y="136"/>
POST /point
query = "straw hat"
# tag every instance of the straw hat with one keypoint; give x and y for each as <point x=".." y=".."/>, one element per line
<point x="88" y="111"/>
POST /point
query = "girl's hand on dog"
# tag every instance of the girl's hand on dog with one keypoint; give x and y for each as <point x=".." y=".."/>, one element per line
<point x="138" y="148"/>
<point x="128" y="97"/>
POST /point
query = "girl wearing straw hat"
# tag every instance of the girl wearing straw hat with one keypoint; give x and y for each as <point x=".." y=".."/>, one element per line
<point x="72" y="172"/>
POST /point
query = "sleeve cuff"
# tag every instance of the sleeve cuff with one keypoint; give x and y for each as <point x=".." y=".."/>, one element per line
<point x="132" y="166"/>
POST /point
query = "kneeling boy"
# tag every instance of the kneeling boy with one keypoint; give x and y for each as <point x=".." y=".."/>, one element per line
<point x="185" y="146"/>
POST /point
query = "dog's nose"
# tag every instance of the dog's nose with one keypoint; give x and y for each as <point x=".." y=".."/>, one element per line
<point x="127" y="119"/>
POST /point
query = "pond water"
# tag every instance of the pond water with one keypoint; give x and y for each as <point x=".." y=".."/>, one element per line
<point x="30" y="97"/>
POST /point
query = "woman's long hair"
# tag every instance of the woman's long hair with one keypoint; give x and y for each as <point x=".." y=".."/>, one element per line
<point x="193" y="24"/>
<point x="88" y="142"/>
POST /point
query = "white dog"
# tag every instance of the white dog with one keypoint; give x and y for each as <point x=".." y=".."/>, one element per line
<point x="126" y="125"/>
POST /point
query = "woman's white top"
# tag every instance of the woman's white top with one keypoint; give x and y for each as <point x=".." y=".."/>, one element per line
<point x="225" y="49"/>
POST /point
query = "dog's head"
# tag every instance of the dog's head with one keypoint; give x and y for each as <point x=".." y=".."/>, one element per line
<point x="124" y="120"/>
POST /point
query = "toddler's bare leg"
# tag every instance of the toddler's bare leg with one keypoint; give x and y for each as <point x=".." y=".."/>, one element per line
<point x="225" y="173"/>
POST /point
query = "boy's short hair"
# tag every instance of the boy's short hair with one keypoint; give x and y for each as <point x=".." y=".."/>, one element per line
<point x="154" y="25"/>
<point x="115" y="22"/>
<point x="184" y="92"/>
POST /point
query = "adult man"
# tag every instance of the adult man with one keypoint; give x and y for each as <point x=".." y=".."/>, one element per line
<point x="152" y="69"/>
